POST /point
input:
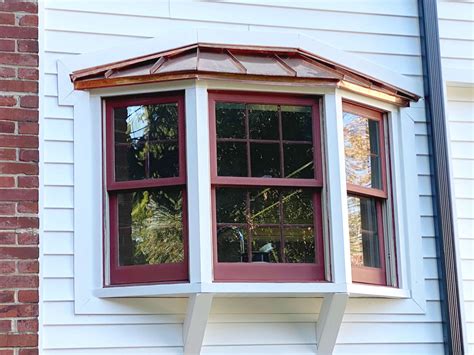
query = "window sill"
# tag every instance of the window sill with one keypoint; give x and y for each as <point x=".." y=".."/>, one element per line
<point x="364" y="290"/>
<point x="248" y="288"/>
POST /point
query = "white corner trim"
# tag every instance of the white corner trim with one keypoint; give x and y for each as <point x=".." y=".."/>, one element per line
<point x="195" y="322"/>
<point x="177" y="39"/>
<point x="329" y="322"/>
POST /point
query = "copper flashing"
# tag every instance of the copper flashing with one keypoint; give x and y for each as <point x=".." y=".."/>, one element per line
<point x="242" y="63"/>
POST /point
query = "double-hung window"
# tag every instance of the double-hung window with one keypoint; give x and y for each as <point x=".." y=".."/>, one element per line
<point x="366" y="175"/>
<point x="267" y="179"/>
<point x="145" y="189"/>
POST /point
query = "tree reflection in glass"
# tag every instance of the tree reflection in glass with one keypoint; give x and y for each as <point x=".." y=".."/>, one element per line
<point x="361" y="145"/>
<point x="151" y="226"/>
<point x="146" y="142"/>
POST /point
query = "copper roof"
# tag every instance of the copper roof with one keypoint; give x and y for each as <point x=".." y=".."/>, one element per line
<point x="270" y="64"/>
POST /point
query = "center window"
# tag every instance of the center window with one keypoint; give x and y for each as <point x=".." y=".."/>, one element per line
<point x="266" y="187"/>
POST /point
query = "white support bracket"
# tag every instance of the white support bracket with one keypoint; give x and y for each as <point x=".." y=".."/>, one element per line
<point x="329" y="322"/>
<point x="195" y="323"/>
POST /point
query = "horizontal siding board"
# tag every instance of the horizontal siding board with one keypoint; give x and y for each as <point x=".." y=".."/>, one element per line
<point x="264" y="305"/>
<point x="57" y="266"/>
<point x="54" y="290"/>
<point x="289" y="17"/>
<point x="461" y="131"/>
<point x="58" y="220"/>
<point x="58" y="152"/>
<point x="451" y="10"/>
<point x="52" y="109"/>
<point x="58" y="174"/>
<point x="461" y="150"/>
<point x="61" y="243"/>
<point x="58" y="129"/>
<point x="58" y="196"/>
<point x="390" y="349"/>
<point x="103" y="336"/>
<point x="114" y="351"/>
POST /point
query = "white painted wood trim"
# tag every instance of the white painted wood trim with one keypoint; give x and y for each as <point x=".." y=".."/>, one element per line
<point x="336" y="186"/>
<point x="198" y="185"/>
<point x="195" y="323"/>
<point x="329" y="322"/>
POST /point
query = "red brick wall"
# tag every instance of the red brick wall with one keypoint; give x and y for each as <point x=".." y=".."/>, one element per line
<point x="18" y="177"/>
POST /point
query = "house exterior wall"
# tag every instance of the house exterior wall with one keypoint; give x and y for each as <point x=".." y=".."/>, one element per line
<point x="18" y="178"/>
<point x="387" y="35"/>
<point x="456" y="22"/>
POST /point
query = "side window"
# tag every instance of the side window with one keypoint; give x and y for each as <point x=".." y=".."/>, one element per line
<point x="365" y="161"/>
<point x="266" y="188"/>
<point x="145" y="189"/>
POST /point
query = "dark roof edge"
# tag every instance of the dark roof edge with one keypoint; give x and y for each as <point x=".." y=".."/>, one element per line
<point x="438" y="142"/>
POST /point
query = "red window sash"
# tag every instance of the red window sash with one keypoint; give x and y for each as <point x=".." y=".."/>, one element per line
<point x="269" y="272"/>
<point x="136" y="274"/>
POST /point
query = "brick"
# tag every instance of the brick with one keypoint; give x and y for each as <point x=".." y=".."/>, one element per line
<point x="18" y="252"/>
<point x="11" y="340"/>
<point x="19" y="194"/>
<point x="30" y="101"/>
<point x="28" y="181"/>
<point x="7" y="45"/>
<point x="29" y="155"/>
<point x="7" y="296"/>
<point x="28" y="73"/>
<point x="19" y="6"/>
<point x="27" y="325"/>
<point x="27" y="352"/>
<point x="28" y="296"/>
<point x="18" y="141"/>
<point x="7" y="208"/>
<point x="18" y="86"/>
<point x="28" y="239"/>
<point x="7" y="19"/>
<point x="7" y="238"/>
<point x="7" y="127"/>
<point x="18" y="168"/>
<point x="18" y="310"/>
<point x="29" y="20"/>
<point x="6" y="72"/>
<point x="5" y="326"/>
<point x="28" y="46"/>
<point x="14" y="281"/>
<point x="18" y="32"/>
<point x="27" y="207"/>
<point x="7" y="101"/>
<point x="7" y="154"/>
<point x="28" y="267"/>
<point x="6" y="352"/>
<point x="28" y="128"/>
<point x="19" y="114"/>
<point x="27" y="60"/>
<point x="7" y="267"/>
<point x="18" y="222"/>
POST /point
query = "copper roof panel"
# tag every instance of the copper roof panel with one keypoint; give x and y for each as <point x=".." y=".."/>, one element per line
<point x="217" y="62"/>
<point x="262" y="65"/>
<point x="305" y="69"/>
<point x="181" y="62"/>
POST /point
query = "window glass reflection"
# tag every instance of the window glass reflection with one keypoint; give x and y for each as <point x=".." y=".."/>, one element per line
<point x="150" y="226"/>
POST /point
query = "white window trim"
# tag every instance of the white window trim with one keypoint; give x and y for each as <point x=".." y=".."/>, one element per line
<point x="91" y="297"/>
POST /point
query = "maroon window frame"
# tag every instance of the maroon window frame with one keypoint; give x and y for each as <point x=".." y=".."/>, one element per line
<point x="365" y="274"/>
<point x="269" y="272"/>
<point x="149" y="273"/>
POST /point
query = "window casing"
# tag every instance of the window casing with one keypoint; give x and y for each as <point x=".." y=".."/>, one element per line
<point x="265" y="136"/>
<point x="145" y="189"/>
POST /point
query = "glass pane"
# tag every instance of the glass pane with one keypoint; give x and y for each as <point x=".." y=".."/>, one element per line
<point x="231" y="159"/>
<point x="150" y="227"/>
<point x="265" y="160"/>
<point x="264" y="206"/>
<point x="146" y="142"/>
<point x="363" y="231"/>
<point x="273" y="216"/>
<point x="266" y="245"/>
<point x="231" y="205"/>
<point x="232" y="244"/>
<point x="361" y="142"/>
<point x="263" y="121"/>
<point x="230" y="120"/>
<point x="299" y="161"/>
<point x="297" y="123"/>
<point x="299" y="245"/>
<point x="297" y="207"/>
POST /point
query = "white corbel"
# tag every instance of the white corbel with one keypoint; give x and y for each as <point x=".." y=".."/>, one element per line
<point x="329" y="322"/>
<point x="195" y="323"/>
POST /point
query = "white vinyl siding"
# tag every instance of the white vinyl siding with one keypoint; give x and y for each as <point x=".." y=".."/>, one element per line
<point x="386" y="34"/>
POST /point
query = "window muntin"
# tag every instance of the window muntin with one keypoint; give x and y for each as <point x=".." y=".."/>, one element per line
<point x="145" y="183"/>
<point x="262" y="228"/>
<point x="367" y="191"/>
